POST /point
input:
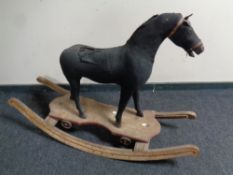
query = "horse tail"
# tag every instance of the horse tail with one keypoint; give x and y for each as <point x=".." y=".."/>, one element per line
<point x="63" y="63"/>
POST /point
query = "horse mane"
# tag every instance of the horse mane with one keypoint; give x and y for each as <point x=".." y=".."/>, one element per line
<point x="142" y="26"/>
<point x="151" y="18"/>
<point x="146" y="22"/>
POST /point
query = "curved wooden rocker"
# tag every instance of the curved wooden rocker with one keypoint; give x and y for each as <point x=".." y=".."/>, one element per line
<point x="141" y="130"/>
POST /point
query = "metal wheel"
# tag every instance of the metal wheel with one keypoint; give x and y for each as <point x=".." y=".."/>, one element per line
<point x="125" y="141"/>
<point x="66" y="124"/>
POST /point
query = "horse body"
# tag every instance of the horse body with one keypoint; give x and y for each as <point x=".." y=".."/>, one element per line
<point x="112" y="65"/>
<point x="129" y="65"/>
<point x="96" y="64"/>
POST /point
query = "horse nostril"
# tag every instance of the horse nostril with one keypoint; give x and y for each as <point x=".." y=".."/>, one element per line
<point x="199" y="49"/>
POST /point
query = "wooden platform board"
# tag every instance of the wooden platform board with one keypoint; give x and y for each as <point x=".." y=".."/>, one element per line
<point x="137" y="128"/>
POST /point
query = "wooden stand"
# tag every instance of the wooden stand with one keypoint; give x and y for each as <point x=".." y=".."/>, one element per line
<point x="141" y="130"/>
<point x="133" y="127"/>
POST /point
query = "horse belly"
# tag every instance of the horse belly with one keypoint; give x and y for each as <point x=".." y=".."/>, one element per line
<point x="95" y="73"/>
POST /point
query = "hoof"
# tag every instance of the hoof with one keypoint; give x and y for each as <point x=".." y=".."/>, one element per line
<point x="118" y="124"/>
<point x="139" y="113"/>
<point x="71" y="98"/>
<point x="83" y="116"/>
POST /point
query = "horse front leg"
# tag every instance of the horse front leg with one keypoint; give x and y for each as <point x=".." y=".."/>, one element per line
<point x="75" y="90"/>
<point x="124" y="98"/>
<point x="136" y="103"/>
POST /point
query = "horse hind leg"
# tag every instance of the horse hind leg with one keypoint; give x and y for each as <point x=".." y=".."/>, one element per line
<point x="75" y="91"/>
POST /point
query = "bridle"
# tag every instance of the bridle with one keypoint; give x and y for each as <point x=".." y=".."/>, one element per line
<point x="179" y="23"/>
<point x="199" y="44"/>
<point x="174" y="30"/>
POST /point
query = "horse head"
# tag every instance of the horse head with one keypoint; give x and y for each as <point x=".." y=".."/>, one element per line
<point x="183" y="35"/>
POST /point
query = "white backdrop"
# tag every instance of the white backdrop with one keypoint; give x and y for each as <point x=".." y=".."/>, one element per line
<point x="34" y="32"/>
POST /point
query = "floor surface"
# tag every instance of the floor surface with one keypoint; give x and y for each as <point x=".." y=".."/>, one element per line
<point x="24" y="149"/>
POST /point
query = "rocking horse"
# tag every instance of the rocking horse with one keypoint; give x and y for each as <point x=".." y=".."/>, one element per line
<point x="128" y="66"/>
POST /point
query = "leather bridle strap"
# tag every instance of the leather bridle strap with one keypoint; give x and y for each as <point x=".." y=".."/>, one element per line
<point x="199" y="44"/>
<point x="180" y="22"/>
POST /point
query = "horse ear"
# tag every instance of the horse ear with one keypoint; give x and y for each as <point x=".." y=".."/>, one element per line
<point x="187" y="17"/>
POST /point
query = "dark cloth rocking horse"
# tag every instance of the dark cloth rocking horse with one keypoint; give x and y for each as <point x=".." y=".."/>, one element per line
<point x="129" y="65"/>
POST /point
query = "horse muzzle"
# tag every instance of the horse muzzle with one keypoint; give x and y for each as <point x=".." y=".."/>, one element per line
<point x="198" y="49"/>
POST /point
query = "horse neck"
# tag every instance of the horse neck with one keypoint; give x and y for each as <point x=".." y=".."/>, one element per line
<point x="147" y="40"/>
<point x="148" y="49"/>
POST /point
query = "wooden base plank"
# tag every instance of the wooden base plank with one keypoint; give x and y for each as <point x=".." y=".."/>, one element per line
<point x="176" y="115"/>
<point x="134" y="127"/>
